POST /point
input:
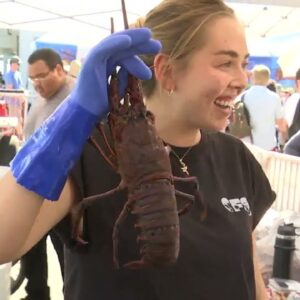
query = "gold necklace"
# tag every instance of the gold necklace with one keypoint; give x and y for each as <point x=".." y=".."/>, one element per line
<point x="184" y="167"/>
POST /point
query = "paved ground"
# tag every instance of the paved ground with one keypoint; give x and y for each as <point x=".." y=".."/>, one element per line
<point x="54" y="277"/>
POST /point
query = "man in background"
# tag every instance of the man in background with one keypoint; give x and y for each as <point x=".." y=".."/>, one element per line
<point x="265" y="110"/>
<point x="292" y="108"/>
<point x="12" y="78"/>
<point x="53" y="85"/>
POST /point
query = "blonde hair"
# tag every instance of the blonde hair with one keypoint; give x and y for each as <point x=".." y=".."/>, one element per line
<point x="180" y="26"/>
<point x="261" y="75"/>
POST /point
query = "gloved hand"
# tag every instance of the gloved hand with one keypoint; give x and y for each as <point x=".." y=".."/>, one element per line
<point x="118" y="49"/>
<point x="43" y="163"/>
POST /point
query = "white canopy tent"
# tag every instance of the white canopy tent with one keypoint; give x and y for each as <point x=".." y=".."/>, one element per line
<point x="85" y="22"/>
<point x="73" y="17"/>
<point x="261" y="18"/>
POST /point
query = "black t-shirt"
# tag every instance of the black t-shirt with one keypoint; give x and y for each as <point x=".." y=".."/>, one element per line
<point x="215" y="259"/>
<point x="292" y="147"/>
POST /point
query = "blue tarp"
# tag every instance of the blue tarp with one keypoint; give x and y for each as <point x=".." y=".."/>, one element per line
<point x="66" y="52"/>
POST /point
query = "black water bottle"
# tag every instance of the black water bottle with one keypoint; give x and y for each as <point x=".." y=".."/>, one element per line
<point x="284" y="248"/>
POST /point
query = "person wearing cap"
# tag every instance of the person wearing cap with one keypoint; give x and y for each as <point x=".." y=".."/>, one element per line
<point x="13" y="77"/>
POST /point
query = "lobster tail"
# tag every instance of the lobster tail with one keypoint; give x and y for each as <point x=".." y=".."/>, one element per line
<point x="158" y="224"/>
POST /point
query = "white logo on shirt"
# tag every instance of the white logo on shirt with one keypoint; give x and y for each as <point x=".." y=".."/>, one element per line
<point x="237" y="205"/>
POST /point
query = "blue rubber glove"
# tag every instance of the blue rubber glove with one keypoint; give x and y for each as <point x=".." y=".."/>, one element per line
<point x="44" y="162"/>
<point x="119" y="49"/>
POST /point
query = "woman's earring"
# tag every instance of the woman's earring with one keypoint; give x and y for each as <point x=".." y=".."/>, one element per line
<point x="170" y="92"/>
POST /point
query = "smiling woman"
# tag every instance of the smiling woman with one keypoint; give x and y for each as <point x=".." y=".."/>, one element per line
<point x="202" y="54"/>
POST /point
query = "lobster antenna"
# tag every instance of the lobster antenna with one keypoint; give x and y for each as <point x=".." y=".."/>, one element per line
<point x="112" y="25"/>
<point x="125" y="19"/>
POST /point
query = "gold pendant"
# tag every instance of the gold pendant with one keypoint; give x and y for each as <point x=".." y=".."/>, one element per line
<point x="184" y="168"/>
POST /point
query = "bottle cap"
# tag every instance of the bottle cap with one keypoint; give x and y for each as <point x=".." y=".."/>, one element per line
<point x="287" y="229"/>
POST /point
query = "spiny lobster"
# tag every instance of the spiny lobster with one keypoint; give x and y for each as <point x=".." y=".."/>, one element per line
<point x="145" y="169"/>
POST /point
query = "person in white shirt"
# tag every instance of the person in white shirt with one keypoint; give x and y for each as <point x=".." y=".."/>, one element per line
<point x="265" y="110"/>
<point x="291" y="102"/>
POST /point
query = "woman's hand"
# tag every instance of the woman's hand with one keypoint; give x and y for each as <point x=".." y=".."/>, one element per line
<point x="44" y="162"/>
<point x="119" y="49"/>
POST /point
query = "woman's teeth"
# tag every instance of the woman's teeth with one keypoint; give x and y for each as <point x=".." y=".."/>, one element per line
<point x="224" y="104"/>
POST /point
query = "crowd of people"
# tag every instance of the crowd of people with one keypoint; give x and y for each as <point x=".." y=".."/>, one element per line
<point x="274" y="118"/>
<point x="179" y="41"/>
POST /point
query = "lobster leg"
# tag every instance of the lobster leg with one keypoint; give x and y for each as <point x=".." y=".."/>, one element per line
<point x="115" y="99"/>
<point x="78" y="211"/>
<point x="136" y="98"/>
<point x="88" y="201"/>
<point x="191" y="200"/>
<point x="124" y="213"/>
<point x="187" y="179"/>
<point x="108" y="160"/>
<point x="103" y="134"/>
<point x="197" y="196"/>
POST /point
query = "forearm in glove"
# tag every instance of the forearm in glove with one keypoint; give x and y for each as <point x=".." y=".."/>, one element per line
<point x="43" y="163"/>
